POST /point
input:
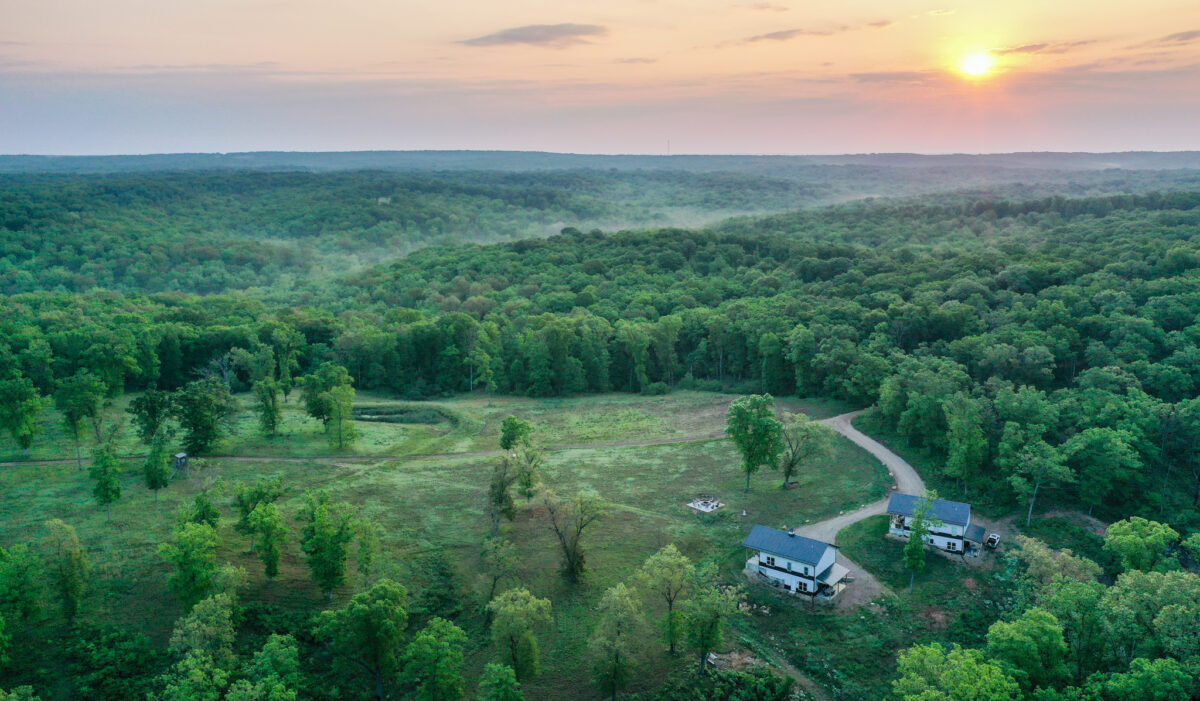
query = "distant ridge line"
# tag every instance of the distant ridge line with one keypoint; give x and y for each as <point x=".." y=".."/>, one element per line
<point x="457" y="160"/>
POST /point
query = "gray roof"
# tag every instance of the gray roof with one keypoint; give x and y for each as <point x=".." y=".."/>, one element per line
<point x="974" y="533"/>
<point x="952" y="512"/>
<point x="793" y="547"/>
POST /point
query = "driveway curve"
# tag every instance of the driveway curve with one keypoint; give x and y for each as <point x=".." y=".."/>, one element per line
<point x="906" y="480"/>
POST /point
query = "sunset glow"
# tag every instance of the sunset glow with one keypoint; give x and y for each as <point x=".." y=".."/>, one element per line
<point x="977" y="65"/>
<point x="622" y="76"/>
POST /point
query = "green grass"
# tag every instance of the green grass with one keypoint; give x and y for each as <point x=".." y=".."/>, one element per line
<point x="472" y="423"/>
<point x="431" y="504"/>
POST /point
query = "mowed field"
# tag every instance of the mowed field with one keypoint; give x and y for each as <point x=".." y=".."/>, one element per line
<point x="424" y="486"/>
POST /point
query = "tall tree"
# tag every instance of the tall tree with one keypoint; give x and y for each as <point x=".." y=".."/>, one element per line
<point x="706" y="614"/>
<point x="499" y="496"/>
<point x="499" y="683"/>
<point x="272" y="675"/>
<point x="287" y="342"/>
<point x="20" y="585"/>
<point x="569" y="518"/>
<point x="327" y="533"/>
<point x="1141" y="544"/>
<point x="267" y="522"/>
<point x="481" y="363"/>
<point x="266" y="396"/>
<point x="968" y="445"/>
<point x="20" y="407"/>
<point x="203" y="408"/>
<point x="931" y="671"/>
<point x="804" y="440"/>
<point x="156" y="469"/>
<point x="208" y="628"/>
<point x="1149" y="680"/>
<point x="1102" y="458"/>
<point x="68" y="566"/>
<point x="339" y="428"/>
<point x="201" y="511"/>
<point x="77" y="399"/>
<point x="668" y="575"/>
<point x="106" y="472"/>
<point x="247" y="497"/>
<point x="758" y="435"/>
<point x="433" y="662"/>
<point x="499" y="562"/>
<point x="1038" y="464"/>
<point x="194" y="557"/>
<point x="516" y="614"/>
<point x="914" y="549"/>
<point x="1076" y="605"/>
<point x="515" y="432"/>
<point x="1031" y="649"/>
<point x="615" y="644"/>
<point x="368" y="630"/>
<point x="315" y="389"/>
<point x="150" y="411"/>
<point x="529" y="463"/>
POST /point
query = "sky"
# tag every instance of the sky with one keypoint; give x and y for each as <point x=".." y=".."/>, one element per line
<point x="618" y="76"/>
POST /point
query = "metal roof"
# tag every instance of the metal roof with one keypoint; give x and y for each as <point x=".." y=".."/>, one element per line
<point x="975" y="533"/>
<point x="952" y="512"/>
<point x="793" y="547"/>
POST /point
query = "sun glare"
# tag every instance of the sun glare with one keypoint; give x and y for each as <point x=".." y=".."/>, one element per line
<point x="977" y="65"/>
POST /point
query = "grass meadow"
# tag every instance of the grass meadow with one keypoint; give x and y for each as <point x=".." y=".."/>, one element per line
<point x="434" y="506"/>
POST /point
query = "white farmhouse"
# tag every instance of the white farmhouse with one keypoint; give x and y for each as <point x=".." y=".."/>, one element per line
<point x="796" y="564"/>
<point x="953" y="531"/>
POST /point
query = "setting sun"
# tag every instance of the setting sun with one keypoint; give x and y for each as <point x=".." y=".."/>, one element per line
<point x="977" y="65"/>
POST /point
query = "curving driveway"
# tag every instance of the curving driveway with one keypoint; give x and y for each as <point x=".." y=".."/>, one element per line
<point x="865" y="587"/>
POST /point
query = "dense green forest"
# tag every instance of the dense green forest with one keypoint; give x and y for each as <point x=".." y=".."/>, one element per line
<point x="209" y="232"/>
<point x="1034" y="351"/>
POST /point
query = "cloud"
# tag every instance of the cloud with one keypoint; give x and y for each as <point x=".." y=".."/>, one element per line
<point x="786" y="34"/>
<point x="551" y="35"/>
<point x="1180" y="37"/>
<point x="1044" y="47"/>
<point x="766" y="6"/>
<point x="637" y="60"/>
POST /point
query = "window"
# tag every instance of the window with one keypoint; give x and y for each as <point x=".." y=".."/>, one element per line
<point x="952" y="545"/>
<point x="770" y="561"/>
